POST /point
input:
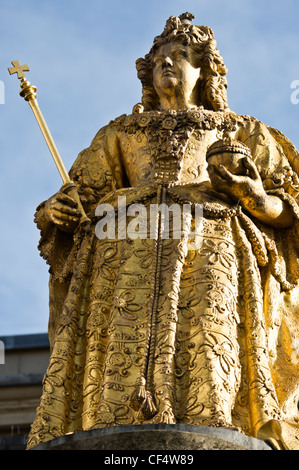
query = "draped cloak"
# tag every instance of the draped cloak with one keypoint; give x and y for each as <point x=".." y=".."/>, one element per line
<point x="153" y="330"/>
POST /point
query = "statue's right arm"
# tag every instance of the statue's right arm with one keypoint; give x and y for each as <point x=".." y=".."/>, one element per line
<point x="96" y="171"/>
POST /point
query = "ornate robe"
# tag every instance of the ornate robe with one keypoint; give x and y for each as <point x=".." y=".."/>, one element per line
<point x="152" y="331"/>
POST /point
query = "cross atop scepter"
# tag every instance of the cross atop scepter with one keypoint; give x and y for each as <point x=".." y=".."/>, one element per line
<point x="28" y="92"/>
<point x="19" y="69"/>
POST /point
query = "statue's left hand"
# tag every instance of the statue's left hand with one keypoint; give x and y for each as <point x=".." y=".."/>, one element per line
<point x="247" y="189"/>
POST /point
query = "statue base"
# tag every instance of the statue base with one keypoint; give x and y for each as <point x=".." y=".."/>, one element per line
<point x="156" y="437"/>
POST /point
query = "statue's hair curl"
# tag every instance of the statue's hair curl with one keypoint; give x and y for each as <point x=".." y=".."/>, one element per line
<point x="211" y="88"/>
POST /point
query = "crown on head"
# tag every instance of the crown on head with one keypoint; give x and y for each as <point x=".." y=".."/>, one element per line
<point x="186" y="18"/>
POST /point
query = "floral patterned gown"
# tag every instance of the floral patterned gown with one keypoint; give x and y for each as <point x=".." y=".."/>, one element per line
<point x="147" y="330"/>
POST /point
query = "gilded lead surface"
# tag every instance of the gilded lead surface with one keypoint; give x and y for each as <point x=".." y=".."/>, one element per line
<point x="148" y="330"/>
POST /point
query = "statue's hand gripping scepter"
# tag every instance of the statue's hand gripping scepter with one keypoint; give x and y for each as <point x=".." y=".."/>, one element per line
<point x="28" y="92"/>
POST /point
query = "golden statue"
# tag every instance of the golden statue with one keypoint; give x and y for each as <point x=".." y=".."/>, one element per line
<point x="156" y="329"/>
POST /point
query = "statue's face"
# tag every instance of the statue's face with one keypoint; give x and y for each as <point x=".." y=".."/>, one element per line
<point x="174" y="70"/>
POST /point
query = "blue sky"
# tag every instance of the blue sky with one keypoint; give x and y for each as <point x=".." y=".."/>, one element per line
<point x="82" y="56"/>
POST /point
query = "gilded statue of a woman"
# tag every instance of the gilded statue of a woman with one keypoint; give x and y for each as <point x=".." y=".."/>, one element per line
<point x="157" y="329"/>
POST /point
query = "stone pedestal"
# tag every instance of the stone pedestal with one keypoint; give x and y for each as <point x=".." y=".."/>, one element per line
<point x="156" y="437"/>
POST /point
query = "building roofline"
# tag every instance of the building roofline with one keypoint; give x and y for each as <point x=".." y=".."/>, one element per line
<point x="30" y="341"/>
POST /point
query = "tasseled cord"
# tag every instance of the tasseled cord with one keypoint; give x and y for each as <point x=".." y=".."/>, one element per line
<point x="142" y="400"/>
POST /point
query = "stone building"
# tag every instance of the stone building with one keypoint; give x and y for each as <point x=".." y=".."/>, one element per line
<point x="22" y="367"/>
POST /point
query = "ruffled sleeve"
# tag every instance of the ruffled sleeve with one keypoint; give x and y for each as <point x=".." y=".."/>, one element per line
<point x="277" y="160"/>
<point x="96" y="171"/>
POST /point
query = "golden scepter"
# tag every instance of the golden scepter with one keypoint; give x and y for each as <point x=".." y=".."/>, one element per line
<point x="28" y="92"/>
